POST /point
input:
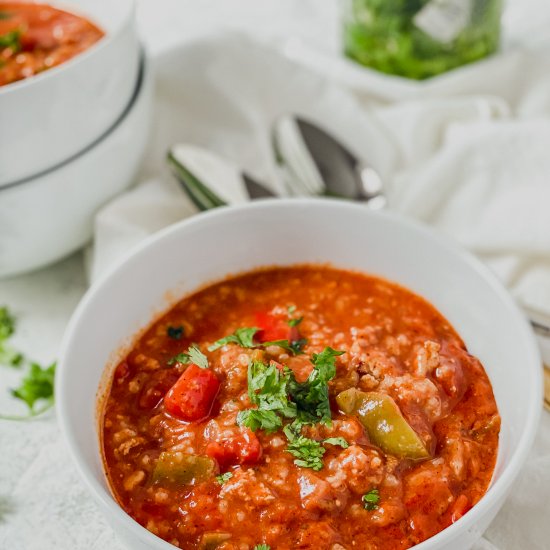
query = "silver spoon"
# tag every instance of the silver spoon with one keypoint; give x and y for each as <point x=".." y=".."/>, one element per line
<point x="313" y="162"/>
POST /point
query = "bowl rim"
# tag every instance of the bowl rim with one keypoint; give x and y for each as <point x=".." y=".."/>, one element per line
<point x="101" y="44"/>
<point x="143" y="70"/>
<point x="498" y="489"/>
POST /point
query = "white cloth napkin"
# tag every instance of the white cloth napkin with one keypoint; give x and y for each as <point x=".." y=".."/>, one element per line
<point x="467" y="153"/>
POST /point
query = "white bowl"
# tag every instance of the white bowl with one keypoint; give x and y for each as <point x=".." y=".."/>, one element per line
<point x="282" y="232"/>
<point x="52" y="116"/>
<point x="45" y="218"/>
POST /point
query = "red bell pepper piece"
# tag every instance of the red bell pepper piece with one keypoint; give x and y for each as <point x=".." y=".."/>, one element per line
<point x="192" y="396"/>
<point x="271" y="327"/>
<point x="242" y="448"/>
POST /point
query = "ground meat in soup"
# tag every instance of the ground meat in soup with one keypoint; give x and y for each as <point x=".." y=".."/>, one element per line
<point x="188" y="460"/>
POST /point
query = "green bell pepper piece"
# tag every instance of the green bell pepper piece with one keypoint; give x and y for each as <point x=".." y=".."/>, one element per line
<point x="211" y="541"/>
<point x="182" y="469"/>
<point x="384" y="423"/>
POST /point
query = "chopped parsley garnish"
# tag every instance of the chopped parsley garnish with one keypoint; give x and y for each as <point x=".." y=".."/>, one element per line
<point x="311" y="396"/>
<point x="222" y="478"/>
<point x="294" y="348"/>
<point x="371" y="500"/>
<point x="291" y="310"/>
<point x="262" y="547"/>
<point x="257" y="419"/>
<point x="277" y="395"/>
<point x="267" y="388"/>
<point x="11" y="40"/>
<point x="308" y="453"/>
<point x="244" y="337"/>
<point x="175" y="333"/>
<point x="338" y="441"/>
<point x="193" y="355"/>
<point x="297" y="346"/>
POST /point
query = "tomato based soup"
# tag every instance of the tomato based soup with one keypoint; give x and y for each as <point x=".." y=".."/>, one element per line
<point x="301" y="407"/>
<point x="36" y="37"/>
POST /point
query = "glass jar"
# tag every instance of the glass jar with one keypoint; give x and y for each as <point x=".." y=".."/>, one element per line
<point x="420" y="38"/>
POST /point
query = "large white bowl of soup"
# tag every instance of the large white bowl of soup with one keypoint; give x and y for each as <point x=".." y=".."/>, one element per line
<point x="299" y="374"/>
<point x="67" y="73"/>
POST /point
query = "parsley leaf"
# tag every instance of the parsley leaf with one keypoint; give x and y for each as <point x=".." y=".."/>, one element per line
<point x="298" y="346"/>
<point x="294" y="348"/>
<point x="311" y="396"/>
<point x="338" y="441"/>
<point x="294" y="322"/>
<point x="8" y="356"/>
<point x="308" y="453"/>
<point x="371" y="500"/>
<point x="37" y="385"/>
<point x="262" y="547"/>
<point x="175" y="333"/>
<point x="12" y="40"/>
<point x="222" y="478"/>
<point x="257" y="419"/>
<point x="193" y="355"/>
<point x="244" y="337"/>
<point x="267" y="388"/>
<point x="291" y="310"/>
<point x="7" y="323"/>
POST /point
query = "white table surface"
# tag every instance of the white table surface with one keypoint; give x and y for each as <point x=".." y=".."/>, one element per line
<point x="36" y="513"/>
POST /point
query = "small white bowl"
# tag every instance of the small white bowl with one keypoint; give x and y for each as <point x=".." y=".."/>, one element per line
<point x="45" y="218"/>
<point x="50" y="117"/>
<point x="283" y="232"/>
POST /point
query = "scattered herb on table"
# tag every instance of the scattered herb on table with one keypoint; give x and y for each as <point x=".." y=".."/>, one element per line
<point x="36" y="389"/>
<point x="7" y="323"/>
<point x="8" y="355"/>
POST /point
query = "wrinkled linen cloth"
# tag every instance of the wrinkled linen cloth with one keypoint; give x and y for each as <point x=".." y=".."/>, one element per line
<point x="466" y="152"/>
